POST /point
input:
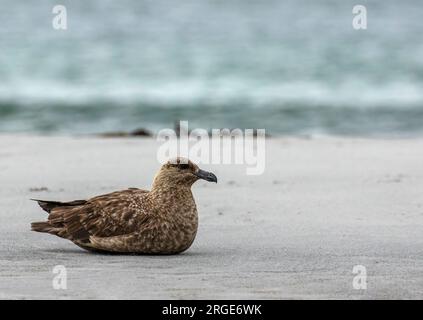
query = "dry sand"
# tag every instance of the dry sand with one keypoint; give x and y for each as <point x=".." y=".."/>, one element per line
<point x="322" y="206"/>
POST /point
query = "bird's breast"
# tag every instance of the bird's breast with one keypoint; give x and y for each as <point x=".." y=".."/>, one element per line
<point x="177" y="222"/>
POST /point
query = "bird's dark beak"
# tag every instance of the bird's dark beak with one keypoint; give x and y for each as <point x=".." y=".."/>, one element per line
<point x="208" y="176"/>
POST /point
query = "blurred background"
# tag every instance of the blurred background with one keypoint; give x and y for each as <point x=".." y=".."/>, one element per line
<point x="290" y="66"/>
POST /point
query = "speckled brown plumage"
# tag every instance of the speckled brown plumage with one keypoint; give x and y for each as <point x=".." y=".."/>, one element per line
<point x="161" y="221"/>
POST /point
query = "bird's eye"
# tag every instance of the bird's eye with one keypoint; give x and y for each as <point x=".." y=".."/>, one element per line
<point x="183" y="166"/>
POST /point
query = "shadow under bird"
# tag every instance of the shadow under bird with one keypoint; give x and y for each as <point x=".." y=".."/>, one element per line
<point x="161" y="221"/>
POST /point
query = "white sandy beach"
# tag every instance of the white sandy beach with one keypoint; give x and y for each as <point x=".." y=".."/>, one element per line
<point x="322" y="206"/>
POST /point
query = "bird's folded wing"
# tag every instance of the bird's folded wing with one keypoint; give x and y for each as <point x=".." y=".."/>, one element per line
<point x="113" y="214"/>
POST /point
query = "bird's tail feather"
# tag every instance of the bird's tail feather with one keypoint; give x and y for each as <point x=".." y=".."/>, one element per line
<point x="43" y="226"/>
<point x="58" y="212"/>
<point x="46" y="227"/>
<point x="50" y="205"/>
